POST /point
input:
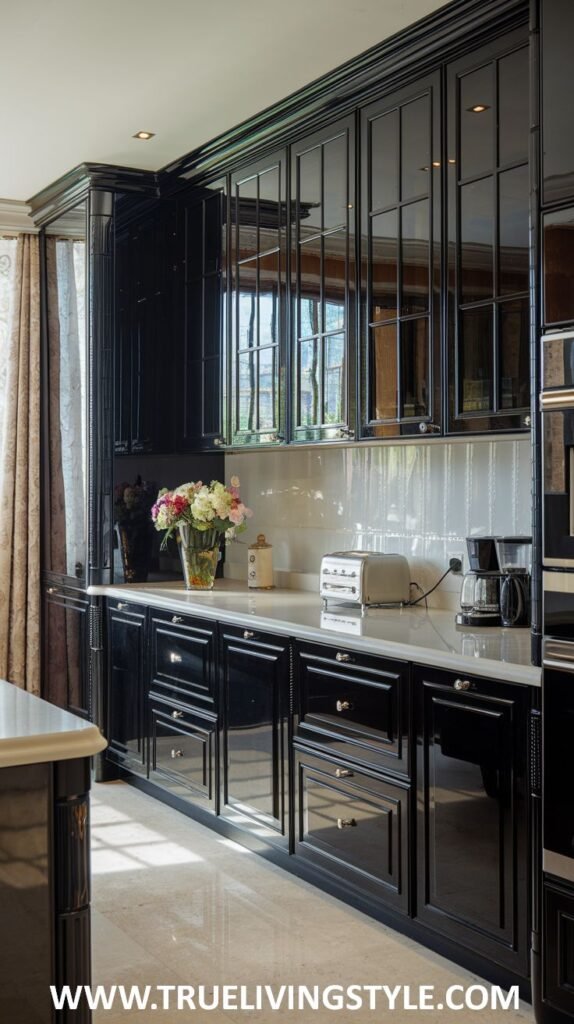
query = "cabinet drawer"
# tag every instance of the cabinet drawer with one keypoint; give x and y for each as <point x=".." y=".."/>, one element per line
<point x="353" y="825"/>
<point x="182" y="658"/>
<point x="182" y="751"/>
<point x="558" y="954"/>
<point x="354" y="704"/>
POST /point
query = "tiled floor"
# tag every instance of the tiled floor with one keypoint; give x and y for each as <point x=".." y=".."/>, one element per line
<point x="174" y="903"/>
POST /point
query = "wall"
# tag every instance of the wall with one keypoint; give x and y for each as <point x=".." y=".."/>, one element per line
<point x="420" y="500"/>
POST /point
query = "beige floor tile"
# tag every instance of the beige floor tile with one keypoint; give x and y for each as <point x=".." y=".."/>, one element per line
<point x="174" y="904"/>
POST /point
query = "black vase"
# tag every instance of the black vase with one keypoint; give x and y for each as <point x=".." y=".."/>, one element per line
<point x="135" y="544"/>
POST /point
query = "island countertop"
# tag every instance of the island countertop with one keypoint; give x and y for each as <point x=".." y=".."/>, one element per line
<point x="33" y="731"/>
<point x="410" y="634"/>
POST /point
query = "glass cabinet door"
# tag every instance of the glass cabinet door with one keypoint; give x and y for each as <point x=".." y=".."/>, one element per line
<point x="65" y="397"/>
<point x="400" y="262"/>
<point x="257" y="292"/>
<point x="557" y="32"/>
<point x="323" y="216"/>
<point x="488" y="243"/>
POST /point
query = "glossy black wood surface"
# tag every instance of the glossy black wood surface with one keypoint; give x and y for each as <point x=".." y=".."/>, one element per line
<point x="65" y="649"/>
<point x="488" y="238"/>
<point x="558" y="952"/>
<point x="401" y="205"/>
<point x="353" y="824"/>
<point x="472" y="856"/>
<point x="183" y="751"/>
<point x="182" y="658"/>
<point x="353" y="705"/>
<point x="557" y="29"/>
<point x="323" y="216"/>
<point x="126" y="729"/>
<point x="255" y="681"/>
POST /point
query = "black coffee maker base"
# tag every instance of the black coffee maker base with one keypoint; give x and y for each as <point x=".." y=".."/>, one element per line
<point x="478" y="619"/>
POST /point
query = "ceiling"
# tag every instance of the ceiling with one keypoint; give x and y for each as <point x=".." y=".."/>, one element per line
<point x="78" y="79"/>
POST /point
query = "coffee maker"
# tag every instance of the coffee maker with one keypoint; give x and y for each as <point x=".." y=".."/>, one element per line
<point x="480" y="593"/>
<point x="515" y="561"/>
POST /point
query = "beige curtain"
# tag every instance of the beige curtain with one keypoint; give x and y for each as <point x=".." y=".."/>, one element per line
<point x="20" y="479"/>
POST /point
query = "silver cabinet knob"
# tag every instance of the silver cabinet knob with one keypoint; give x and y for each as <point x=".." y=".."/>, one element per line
<point x="51" y="590"/>
<point x="429" y="428"/>
<point x="177" y="620"/>
<point x="462" y="684"/>
<point x="346" y="823"/>
<point x="527" y="421"/>
<point x="277" y="437"/>
<point x="121" y="605"/>
<point x="343" y="705"/>
<point x="177" y="753"/>
<point x="218" y="441"/>
<point x="248" y="634"/>
<point x="342" y="656"/>
<point x="177" y="714"/>
<point x="343" y="773"/>
<point x="346" y="432"/>
<point x="175" y="658"/>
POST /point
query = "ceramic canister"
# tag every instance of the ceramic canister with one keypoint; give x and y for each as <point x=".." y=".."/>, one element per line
<point x="260" y="564"/>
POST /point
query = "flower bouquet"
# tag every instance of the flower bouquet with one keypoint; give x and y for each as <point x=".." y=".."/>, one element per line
<point x="201" y="514"/>
<point x="132" y="506"/>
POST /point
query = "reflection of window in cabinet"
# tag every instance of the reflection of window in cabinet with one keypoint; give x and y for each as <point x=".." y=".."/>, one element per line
<point x="400" y="264"/>
<point x="488" y="182"/>
<point x="258" y="271"/>
<point x="323" y="213"/>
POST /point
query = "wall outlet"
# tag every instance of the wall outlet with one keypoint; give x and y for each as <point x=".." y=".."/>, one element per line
<point x="456" y="562"/>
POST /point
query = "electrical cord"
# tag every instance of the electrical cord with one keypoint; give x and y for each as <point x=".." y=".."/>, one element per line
<point x="423" y="597"/>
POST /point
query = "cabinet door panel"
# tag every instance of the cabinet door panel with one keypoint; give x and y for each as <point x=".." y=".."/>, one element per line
<point x="558" y="950"/>
<point x="66" y="650"/>
<point x="400" y="266"/>
<point x="557" y="100"/>
<point x="353" y="825"/>
<point x="322" y="208"/>
<point x="488" y="240"/>
<point x="182" y="658"/>
<point x="472" y="851"/>
<point x="182" y="751"/>
<point x="126" y="732"/>
<point x="256" y="702"/>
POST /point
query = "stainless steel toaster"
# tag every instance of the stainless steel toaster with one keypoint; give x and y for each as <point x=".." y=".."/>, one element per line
<point x="365" y="578"/>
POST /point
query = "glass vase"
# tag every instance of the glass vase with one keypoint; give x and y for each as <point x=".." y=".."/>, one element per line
<point x="199" y="553"/>
<point x="135" y="541"/>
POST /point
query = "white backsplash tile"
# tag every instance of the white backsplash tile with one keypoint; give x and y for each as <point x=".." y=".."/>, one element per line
<point x="419" y="500"/>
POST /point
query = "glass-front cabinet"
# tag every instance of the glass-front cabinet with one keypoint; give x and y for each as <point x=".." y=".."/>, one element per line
<point x="488" y="254"/>
<point x="323" y="273"/>
<point x="400" y="262"/>
<point x="65" y="401"/>
<point x="257" y="302"/>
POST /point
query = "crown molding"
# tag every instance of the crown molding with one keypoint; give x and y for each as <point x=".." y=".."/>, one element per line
<point x="15" y="218"/>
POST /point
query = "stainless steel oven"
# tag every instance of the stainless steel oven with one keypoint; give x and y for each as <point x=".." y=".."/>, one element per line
<point x="558" y="748"/>
<point x="557" y="405"/>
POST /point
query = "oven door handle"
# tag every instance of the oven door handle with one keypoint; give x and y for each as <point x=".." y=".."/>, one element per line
<point x="558" y="654"/>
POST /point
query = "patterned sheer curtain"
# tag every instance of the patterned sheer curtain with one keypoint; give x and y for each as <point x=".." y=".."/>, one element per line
<point x="20" y="461"/>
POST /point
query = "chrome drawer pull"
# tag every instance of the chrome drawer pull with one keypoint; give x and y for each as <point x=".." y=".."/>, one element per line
<point x="342" y="656"/>
<point x="121" y="605"/>
<point x="52" y="590"/>
<point x="462" y="684"/>
<point x="343" y="773"/>
<point x="248" y="634"/>
<point x="177" y="753"/>
<point x="343" y="705"/>
<point x="177" y="620"/>
<point x="177" y="714"/>
<point x="175" y="658"/>
<point x="346" y="823"/>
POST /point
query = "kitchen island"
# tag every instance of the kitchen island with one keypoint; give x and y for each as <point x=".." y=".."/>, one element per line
<point x="44" y="854"/>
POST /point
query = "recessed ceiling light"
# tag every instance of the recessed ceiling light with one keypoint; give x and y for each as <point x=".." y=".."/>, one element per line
<point x="478" y="108"/>
<point x="144" y="135"/>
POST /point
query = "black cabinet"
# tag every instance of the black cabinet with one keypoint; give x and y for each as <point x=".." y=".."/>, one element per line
<point x="65" y="649"/>
<point x="255" y="695"/>
<point x="145" y="348"/>
<point x="557" y="30"/>
<point x="558" y="948"/>
<point x="126" y="730"/>
<point x="323" y="260"/>
<point x="354" y="705"/>
<point x="354" y="825"/>
<point x="182" y="659"/>
<point x="401" y="262"/>
<point x="257" y="298"/>
<point x="488" y="238"/>
<point x="183" y="751"/>
<point x="201" y="271"/>
<point x="472" y="788"/>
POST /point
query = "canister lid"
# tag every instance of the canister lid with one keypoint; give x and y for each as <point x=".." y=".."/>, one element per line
<point x="260" y="542"/>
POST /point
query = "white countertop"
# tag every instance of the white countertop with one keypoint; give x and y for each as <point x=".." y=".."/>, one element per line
<point x="33" y="731"/>
<point x="411" y="634"/>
